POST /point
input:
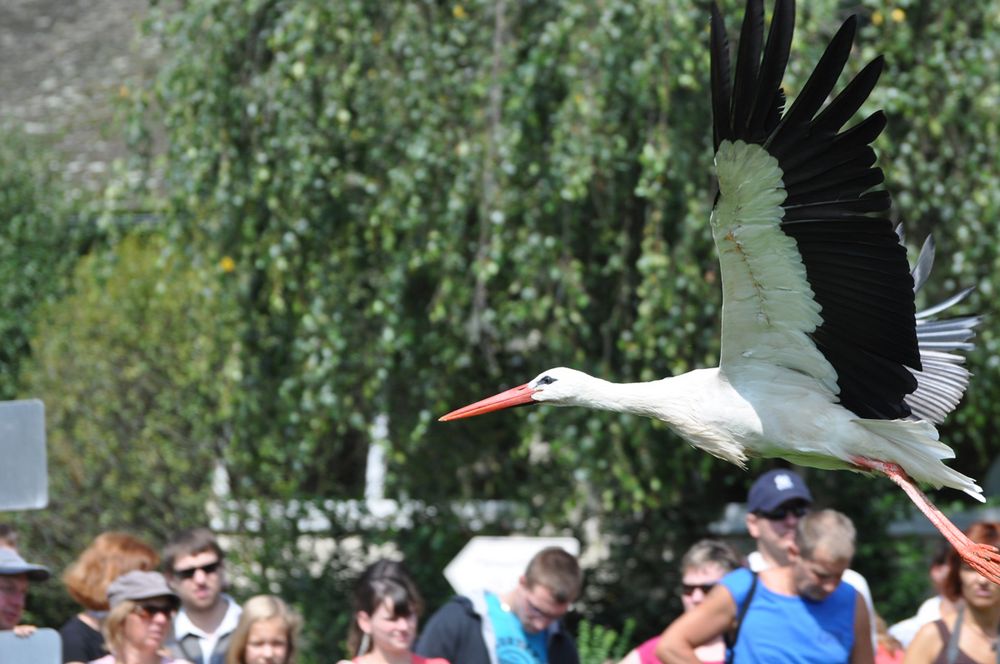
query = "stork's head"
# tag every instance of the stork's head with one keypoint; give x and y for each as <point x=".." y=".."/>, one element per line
<point x="557" y="386"/>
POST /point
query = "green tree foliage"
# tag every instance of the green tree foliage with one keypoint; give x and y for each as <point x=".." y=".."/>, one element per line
<point x="132" y="369"/>
<point x="600" y="645"/>
<point x="40" y="242"/>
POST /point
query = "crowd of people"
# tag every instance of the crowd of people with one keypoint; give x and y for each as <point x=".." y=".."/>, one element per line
<point x="134" y="614"/>
<point x="793" y="599"/>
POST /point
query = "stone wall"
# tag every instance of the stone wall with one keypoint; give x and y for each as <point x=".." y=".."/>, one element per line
<point x="63" y="64"/>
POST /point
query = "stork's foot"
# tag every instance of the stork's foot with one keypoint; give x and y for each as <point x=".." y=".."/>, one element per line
<point x="983" y="558"/>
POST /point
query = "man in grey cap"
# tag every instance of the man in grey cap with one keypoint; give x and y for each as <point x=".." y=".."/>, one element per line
<point x="15" y="576"/>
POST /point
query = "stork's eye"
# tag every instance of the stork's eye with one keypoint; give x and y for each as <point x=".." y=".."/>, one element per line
<point x="545" y="380"/>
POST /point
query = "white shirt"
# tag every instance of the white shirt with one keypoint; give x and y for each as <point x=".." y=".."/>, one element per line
<point x="757" y="564"/>
<point x="183" y="626"/>
<point x="905" y="630"/>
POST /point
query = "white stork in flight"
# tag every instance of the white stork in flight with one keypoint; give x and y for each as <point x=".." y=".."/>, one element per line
<point x="818" y="298"/>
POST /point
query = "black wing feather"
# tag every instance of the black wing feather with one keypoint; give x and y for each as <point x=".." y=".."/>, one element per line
<point x="722" y="92"/>
<point x="747" y="65"/>
<point x="836" y="163"/>
<point x="816" y="90"/>
<point x="849" y="101"/>
<point x="838" y="186"/>
<point x="769" y="100"/>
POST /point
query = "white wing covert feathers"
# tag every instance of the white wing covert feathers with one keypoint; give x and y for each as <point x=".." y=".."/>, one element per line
<point x="768" y="307"/>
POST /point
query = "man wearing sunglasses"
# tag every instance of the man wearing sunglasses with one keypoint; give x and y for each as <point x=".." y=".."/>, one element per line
<point x="521" y="625"/>
<point x="195" y="570"/>
<point x="777" y="501"/>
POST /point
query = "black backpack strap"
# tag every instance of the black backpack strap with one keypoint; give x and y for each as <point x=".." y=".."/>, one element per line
<point x="733" y="634"/>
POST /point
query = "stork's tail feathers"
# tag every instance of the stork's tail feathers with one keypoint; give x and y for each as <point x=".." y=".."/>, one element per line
<point x="921" y="454"/>
<point x="943" y="380"/>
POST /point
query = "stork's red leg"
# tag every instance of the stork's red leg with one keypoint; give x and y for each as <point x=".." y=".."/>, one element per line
<point x="983" y="558"/>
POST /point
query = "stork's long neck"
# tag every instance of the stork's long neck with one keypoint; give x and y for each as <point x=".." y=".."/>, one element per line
<point x="665" y="399"/>
<point x="701" y="406"/>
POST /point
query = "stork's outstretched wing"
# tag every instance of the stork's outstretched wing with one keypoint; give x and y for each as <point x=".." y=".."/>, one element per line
<point x="814" y="277"/>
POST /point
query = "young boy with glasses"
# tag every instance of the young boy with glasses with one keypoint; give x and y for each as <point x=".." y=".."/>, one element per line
<point x="195" y="570"/>
<point x="523" y="624"/>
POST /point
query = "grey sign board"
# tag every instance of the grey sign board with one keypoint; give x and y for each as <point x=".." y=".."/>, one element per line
<point x="24" y="482"/>
<point x="42" y="647"/>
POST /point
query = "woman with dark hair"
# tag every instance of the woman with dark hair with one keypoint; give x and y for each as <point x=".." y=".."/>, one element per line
<point x="387" y="605"/>
<point x="969" y="636"/>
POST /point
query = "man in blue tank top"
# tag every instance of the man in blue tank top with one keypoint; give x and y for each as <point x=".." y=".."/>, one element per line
<point x="802" y="613"/>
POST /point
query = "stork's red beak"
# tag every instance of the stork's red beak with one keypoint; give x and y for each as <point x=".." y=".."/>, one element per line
<point x="516" y="396"/>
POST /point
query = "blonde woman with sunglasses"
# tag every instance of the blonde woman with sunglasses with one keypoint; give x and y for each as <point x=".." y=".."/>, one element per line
<point x="704" y="565"/>
<point x="142" y="606"/>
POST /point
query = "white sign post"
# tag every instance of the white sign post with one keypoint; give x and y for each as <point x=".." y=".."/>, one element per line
<point x="496" y="563"/>
<point x="24" y="483"/>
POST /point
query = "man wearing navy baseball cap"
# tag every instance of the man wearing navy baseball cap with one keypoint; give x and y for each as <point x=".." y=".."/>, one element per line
<point x="15" y="575"/>
<point x="776" y="502"/>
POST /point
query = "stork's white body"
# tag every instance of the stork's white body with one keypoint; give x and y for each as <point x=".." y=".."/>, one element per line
<point x="765" y="411"/>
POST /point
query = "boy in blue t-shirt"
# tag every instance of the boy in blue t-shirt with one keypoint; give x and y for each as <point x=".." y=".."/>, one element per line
<point x="802" y="613"/>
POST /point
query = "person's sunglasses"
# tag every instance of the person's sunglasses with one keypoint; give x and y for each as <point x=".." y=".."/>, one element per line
<point x="781" y="512"/>
<point x="534" y="610"/>
<point x="149" y="611"/>
<point x="189" y="573"/>
<point x="689" y="588"/>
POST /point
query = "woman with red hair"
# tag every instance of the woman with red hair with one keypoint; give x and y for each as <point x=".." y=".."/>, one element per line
<point x="109" y="556"/>
<point x="969" y="636"/>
